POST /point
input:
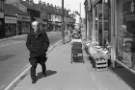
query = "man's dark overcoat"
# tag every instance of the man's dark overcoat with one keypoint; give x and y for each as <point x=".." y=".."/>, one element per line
<point x="37" y="43"/>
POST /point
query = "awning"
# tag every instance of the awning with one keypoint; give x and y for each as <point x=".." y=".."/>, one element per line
<point x="23" y="18"/>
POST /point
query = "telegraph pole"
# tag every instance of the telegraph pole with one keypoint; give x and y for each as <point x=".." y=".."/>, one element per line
<point x="63" y="23"/>
<point x="103" y="22"/>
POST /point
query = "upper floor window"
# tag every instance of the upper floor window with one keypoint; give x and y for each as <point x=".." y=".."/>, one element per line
<point x="1" y="5"/>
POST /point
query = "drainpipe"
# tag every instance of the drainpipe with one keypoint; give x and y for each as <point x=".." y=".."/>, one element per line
<point x="102" y="22"/>
<point x="93" y="25"/>
<point x="86" y="23"/>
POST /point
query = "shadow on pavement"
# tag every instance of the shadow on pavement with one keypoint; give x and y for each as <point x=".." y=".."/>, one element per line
<point x="126" y="76"/>
<point x="91" y="61"/>
<point x="48" y="72"/>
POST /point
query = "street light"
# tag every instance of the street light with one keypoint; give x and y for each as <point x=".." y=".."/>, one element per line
<point x="63" y="25"/>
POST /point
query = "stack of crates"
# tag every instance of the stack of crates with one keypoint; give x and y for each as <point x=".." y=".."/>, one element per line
<point x="76" y="54"/>
<point x="101" y="64"/>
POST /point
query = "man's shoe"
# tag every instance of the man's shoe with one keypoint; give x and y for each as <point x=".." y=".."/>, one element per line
<point x="44" y="74"/>
<point x="34" y="81"/>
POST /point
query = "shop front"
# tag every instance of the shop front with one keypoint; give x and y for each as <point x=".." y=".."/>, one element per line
<point x="50" y="26"/>
<point x="102" y="22"/>
<point x="125" y="33"/>
<point x="23" y="24"/>
<point x="10" y="25"/>
<point x="2" y="32"/>
<point x="56" y="26"/>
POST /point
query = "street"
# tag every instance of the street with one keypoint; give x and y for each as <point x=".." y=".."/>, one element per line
<point x="14" y="57"/>
<point x="92" y="45"/>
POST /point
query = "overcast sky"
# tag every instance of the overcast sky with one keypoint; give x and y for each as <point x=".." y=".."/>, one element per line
<point x="69" y="4"/>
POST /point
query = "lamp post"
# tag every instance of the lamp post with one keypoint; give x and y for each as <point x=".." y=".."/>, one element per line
<point x="63" y="24"/>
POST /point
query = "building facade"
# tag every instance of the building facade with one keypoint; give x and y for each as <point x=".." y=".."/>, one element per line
<point x="120" y="21"/>
<point x="16" y="21"/>
<point x="27" y="11"/>
<point x="97" y="20"/>
<point x="10" y="25"/>
<point x="56" y="21"/>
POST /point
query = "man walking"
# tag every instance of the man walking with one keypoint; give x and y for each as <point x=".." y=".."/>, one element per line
<point x="37" y="44"/>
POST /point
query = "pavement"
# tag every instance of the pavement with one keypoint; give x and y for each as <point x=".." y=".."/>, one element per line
<point x="62" y="75"/>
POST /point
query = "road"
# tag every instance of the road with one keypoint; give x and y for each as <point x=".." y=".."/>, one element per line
<point x="14" y="57"/>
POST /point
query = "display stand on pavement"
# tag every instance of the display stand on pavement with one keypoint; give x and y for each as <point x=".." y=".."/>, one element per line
<point x="76" y="49"/>
<point x="99" y="57"/>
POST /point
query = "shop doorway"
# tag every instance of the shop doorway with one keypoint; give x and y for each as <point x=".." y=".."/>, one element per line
<point x="2" y="33"/>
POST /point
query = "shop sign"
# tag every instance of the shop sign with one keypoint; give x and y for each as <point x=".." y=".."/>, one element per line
<point x="44" y="22"/>
<point x="130" y="17"/>
<point x="9" y="19"/>
<point x="59" y="24"/>
<point x="1" y="15"/>
<point x="23" y="18"/>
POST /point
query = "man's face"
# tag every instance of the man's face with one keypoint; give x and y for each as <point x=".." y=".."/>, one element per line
<point x="36" y="27"/>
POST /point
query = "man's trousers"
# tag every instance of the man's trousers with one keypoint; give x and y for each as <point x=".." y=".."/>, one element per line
<point x="34" y="61"/>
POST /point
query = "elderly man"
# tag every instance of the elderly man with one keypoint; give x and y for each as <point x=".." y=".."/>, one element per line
<point x="37" y="44"/>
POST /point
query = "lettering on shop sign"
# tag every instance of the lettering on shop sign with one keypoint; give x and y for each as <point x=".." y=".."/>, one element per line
<point x="23" y="18"/>
<point x="10" y="19"/>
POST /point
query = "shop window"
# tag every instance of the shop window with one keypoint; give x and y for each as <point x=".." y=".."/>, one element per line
<point x="10" y="29"/>
<point x="126" y="36"/>
<point x="131" y="27"/>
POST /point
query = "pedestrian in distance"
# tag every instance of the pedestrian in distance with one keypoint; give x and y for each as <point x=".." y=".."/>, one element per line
<point x="37" y="44"/>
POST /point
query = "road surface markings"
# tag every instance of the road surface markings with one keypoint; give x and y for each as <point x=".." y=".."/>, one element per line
<point x="18" y="78"/>
<point x="7" y="44"/>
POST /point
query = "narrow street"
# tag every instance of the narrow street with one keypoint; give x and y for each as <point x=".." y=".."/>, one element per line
<point x="14" y="57"/>
<point x="92" y="44"/>
<point x="62" y="75"/>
